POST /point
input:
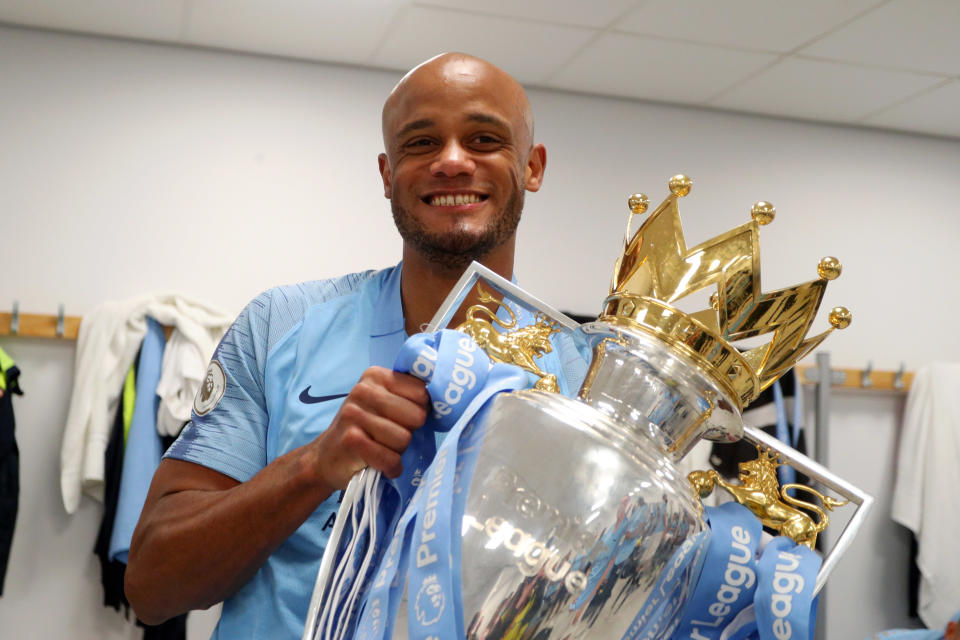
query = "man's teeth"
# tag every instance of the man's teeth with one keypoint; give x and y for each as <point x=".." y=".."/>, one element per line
<point x="450" y="200"/>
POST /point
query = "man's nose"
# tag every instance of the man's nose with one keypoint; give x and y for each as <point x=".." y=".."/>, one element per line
<point x="453" y="160"/>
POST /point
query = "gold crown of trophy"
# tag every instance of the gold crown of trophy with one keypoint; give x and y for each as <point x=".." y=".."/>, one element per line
<point x="562" y="485"/>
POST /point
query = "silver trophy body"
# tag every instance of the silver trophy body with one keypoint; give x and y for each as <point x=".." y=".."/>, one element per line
<point x="575" y="508"/>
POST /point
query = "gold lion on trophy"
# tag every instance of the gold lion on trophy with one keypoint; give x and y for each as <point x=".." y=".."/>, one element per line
<point x="762" y="494"/>
<point x="518" y="347"/>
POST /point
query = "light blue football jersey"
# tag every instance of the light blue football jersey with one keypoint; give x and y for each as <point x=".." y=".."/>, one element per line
<point x="276" y="381"/>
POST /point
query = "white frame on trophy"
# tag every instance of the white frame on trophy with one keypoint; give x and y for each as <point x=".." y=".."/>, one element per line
<point x="471" y="276"/>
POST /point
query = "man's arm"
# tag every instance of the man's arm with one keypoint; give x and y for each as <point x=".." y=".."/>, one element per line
<point x="202" y="535"/>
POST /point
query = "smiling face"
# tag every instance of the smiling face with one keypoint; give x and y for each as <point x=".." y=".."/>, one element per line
<point x="459" y="155"/>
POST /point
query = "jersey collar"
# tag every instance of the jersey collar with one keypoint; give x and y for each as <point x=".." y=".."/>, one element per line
<point x="388" y="310"/>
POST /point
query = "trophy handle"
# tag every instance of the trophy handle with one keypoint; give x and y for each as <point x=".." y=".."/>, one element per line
<point x="473" y="274"/>
<point x="861" y="499"/>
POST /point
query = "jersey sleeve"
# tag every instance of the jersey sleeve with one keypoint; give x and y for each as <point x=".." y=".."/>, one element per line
<point x="228" y="427"/>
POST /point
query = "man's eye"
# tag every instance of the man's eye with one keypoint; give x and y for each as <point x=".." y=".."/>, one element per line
<point x="486" y="140"/>
<point x="419" y="142"/>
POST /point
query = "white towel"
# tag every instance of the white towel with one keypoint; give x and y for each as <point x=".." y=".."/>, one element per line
<point x="925" y="496"/>
<point x="109" y="339"/>
<point x="183" y="368"/>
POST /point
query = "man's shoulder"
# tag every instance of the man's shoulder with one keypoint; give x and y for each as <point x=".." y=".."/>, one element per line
<point x="278" y="310"/>
<point x="303" y="295"/>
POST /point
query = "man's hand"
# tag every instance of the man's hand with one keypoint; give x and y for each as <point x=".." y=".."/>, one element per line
<point x="373" y="427"/>
<point x="187" y="553"/>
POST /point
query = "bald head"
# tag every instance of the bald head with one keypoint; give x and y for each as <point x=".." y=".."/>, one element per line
<point x="460" y="73"/>
<point x="459" y="157"/>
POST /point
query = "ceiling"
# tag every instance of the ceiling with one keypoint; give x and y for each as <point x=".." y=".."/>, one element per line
<point x="892" y="64"/>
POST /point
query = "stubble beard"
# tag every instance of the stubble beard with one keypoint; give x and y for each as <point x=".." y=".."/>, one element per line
<point x="455" y="250"/>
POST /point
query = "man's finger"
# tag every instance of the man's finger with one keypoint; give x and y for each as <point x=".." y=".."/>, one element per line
<point x="379" y="457"/>
<point x="387" y="432"/>
<point x="379" y="400"/>
<point x="401" y="384"/>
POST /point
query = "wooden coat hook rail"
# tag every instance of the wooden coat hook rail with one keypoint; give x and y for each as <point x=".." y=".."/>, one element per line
<point x="868" y="378"/>
<point x="38" y="325"/>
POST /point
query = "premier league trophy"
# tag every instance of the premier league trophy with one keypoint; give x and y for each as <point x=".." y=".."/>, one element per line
<point x="546" y="517"/>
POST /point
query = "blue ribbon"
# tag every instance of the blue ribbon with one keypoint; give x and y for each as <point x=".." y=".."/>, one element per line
<point x="670" y="592"/>
<point x="729" y="577"/>
<point x="785" y="473"/>
<point x="425" y="543"/>
<point x="788" y="574"/>
<point x="455" y="371"/>
<point x="739" y="597"/>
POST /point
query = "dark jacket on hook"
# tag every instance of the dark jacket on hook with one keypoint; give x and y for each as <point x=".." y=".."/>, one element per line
<point x="9" y="460"/>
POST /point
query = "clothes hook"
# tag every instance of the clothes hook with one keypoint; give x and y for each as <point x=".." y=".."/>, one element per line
<point x="898" y="382"/>
<point x="15" y="318"/>
<point x="60" y="320"/>
<point x="865" y="380"/>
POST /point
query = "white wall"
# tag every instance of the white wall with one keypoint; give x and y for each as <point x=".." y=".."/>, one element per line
<point x="130" y="167"/>
<point x="868" y="590"/>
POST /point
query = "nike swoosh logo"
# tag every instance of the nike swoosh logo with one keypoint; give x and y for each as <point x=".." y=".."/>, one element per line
<point x="306" y="398"/>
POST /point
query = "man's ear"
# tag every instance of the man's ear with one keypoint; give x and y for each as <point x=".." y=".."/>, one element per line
<point x="536" y="164"/>
<point x="384" y="174"/>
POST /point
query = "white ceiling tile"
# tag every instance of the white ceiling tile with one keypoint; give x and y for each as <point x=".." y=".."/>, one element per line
<point x="345" y="32"/>
<point x="767" y="25"/>
<point x="818" y="90"/>
<point x="934" y="112"/>
<point x="420" y="33"/>
<point x="639" y="67"/>
<point x="571" y="12"/>
<point x="154" y="20"/>
<point x="919" y="35"/>
<point x="683" y="51"/>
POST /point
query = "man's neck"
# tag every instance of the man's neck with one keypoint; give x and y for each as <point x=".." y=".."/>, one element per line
<point x="424" y="286"/>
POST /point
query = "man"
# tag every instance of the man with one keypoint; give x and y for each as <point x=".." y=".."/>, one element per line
<point x="243" y="504"/>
